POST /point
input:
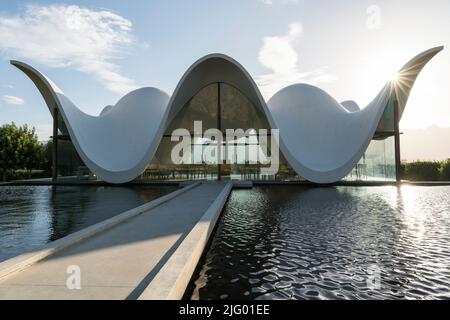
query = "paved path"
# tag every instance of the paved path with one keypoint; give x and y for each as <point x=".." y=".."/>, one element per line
<point x="120" y="262"/>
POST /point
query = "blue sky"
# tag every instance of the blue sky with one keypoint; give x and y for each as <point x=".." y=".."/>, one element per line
<point x="96" y="51"/>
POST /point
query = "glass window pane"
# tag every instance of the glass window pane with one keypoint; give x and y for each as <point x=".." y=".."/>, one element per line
<point x="377" y="163"/>
<point x="238" y="111"/>
<point x="202" y="107"/>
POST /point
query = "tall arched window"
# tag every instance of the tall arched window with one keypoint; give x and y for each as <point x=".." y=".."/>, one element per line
<point x="222" y="106"/>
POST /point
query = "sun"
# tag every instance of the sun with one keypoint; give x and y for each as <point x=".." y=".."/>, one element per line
<point x="395" y="77"/>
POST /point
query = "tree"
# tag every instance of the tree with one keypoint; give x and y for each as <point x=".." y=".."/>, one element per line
<point x="445" y="170"/>
<point x="9" y="146"/>
<point x="19" y="149"/>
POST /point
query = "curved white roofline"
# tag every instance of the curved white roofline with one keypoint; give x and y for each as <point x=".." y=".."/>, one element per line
<point x="320" y="138"/>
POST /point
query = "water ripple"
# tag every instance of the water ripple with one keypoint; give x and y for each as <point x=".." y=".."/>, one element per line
<point x="330" y="243"/>
<point x="31" y="216"/>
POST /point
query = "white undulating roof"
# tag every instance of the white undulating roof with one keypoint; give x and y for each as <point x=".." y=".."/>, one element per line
<point x="321" y="138"/>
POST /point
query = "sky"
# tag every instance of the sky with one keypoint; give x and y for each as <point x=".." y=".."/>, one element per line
<point x="97" y="51"/>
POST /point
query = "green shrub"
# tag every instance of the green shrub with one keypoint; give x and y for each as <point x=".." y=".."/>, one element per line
<point x="445" y="170"/>
<point x="422" y="171"/>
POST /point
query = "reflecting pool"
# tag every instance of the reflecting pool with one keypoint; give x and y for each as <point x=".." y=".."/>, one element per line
<point x="31" y="216"/>
<point x="291" y="242"/>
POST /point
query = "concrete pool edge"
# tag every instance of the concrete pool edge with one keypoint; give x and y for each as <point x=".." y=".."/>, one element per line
<point x="18" y="263"/>
<point x="172" y="280"/>
<point x="236" y="183"/>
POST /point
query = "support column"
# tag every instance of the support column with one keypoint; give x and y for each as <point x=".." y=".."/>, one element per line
<point x="398" y="166"/>
<point x="219" y="127"/>
<point x="55" y="145"/>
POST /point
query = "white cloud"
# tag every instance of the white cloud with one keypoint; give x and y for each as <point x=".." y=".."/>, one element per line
<point x="278" y="53"/>
<point x="13" y="100"/>
<point x="280" y="56"/>
<point x="59" y="36"/>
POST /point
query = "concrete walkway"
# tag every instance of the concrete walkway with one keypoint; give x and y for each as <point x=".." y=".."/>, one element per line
<point x="121" y="262"/>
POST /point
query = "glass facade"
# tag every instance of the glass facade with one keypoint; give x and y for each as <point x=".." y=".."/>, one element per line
<point x="202" y="107"/>
<point x="69" y="163"/>
<point x="218" y="106"/>
<point x="377" y="163"/>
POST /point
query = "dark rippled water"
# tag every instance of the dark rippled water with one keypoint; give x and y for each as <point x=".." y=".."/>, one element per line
<point x="31" y="216"/>
<point x="290" y="242"/>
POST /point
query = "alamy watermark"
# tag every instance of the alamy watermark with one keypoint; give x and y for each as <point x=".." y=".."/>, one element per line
<point x="237" y="146"/>
<point x="373" y="281"/>
<point x="373" y="21"/>
<point x="73" y="281"/>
